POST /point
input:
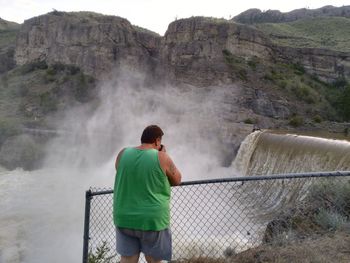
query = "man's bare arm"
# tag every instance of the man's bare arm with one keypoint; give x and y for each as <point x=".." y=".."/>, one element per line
<point x="173" y="174"/>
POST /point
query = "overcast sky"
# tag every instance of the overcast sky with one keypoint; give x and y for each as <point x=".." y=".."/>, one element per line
<point x="152" y="14"/>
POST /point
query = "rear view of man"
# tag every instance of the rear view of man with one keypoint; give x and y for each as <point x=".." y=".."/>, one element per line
<point x="141" y="201"/>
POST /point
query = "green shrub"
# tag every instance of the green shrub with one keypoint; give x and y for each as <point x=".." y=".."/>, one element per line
<point x="73" y="69"/>
<point x="58" y="66"/>
<point x="282" y="84"/>
<point x="253" y="62"/>
<point x="249" y="121"/>
<point x="101" y="255"/>
<point x="334" y="196"/>
<point x="304" y="92"/>
<point x="342" y="103"/>
<point x="226" y="52"/>
<point x="298" y="69"/>
<point x="269" y="77"/>
<point x="296" y="121"/>
<point x="49" y="78"/>
<point x="317" y="119"/>
<point x="340" y="83"/>
<point x="329" y="220"/>
<point x="50" y="71"/>
<point x="30" y="67"/>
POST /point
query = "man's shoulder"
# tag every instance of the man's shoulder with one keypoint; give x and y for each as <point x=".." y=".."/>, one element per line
<point x="163" y="157"/>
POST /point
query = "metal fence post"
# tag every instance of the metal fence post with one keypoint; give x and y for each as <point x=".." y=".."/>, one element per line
<point x="88" y="197"/>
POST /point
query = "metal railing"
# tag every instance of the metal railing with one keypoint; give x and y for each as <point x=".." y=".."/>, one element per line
<point x="219" y="218"/>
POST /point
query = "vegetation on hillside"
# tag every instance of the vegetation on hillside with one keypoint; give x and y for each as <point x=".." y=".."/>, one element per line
<point x="30" y="96"/>
<point x="33" y="90"/>
<point x="322" y="32"/>
<point x="8" y="31"/>
<point x="317" y="99"/>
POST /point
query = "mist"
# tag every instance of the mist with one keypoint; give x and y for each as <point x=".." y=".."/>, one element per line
<point x="43" y="212"/>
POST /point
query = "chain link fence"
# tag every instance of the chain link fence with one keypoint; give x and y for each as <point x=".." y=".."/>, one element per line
<point x="218" y="219"/>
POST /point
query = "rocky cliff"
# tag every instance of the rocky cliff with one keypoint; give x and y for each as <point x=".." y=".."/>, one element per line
<point x="192" y="49"/>
<point x="326" y="64"/>
<point x="94" y="42"/>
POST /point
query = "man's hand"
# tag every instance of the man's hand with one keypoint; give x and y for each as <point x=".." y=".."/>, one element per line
<point x="162" y="148"/>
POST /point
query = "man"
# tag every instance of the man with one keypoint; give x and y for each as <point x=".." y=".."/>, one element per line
<point x="141" y="207"/>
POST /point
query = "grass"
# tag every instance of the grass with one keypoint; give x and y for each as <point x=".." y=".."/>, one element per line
<point x="322" y="32"/>
<point x="8" y="37"/>
<point x="7" y="25"/>
<point x="8" y="32"/>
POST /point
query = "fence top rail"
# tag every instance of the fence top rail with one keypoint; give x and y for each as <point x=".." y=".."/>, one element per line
<point x="245" y="179"/>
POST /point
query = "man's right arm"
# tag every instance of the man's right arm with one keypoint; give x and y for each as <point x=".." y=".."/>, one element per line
<point x="118" y="158"/>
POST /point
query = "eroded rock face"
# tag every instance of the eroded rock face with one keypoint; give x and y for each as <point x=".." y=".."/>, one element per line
<point x="96" y="43"/>
<point x="192" y="49"/>
<point x="325" y="64"/>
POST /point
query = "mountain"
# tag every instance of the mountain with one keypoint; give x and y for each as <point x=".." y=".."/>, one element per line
<point x="331" y="33"/>
<point x="255" y="16"/>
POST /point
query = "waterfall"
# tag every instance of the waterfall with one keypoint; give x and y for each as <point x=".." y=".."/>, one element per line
<point x="264" y="153"/>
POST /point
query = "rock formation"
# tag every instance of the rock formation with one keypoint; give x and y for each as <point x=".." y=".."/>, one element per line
<point x="190" y="51"/>
<point x="95" y="43"/>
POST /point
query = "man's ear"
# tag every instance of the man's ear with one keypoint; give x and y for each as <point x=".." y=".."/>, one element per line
<point x="158" y="142"/>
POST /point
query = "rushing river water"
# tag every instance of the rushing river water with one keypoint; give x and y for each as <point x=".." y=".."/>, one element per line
<point x="41" y="217"/>
<point x="268" y="153"/>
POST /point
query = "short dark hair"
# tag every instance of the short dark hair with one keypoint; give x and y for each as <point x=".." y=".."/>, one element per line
<point x="151" y="133"/>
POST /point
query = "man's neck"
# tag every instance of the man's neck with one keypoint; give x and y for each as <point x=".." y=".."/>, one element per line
<point x="145" y="146"/>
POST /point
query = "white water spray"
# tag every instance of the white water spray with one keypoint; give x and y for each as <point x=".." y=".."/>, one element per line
<point x="43" y="219"/>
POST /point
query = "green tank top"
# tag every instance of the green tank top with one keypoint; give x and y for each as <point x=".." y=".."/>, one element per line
<point x="141" y="192"/>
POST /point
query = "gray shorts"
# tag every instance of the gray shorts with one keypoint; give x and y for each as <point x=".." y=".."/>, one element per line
<point x="156" y="244"/>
